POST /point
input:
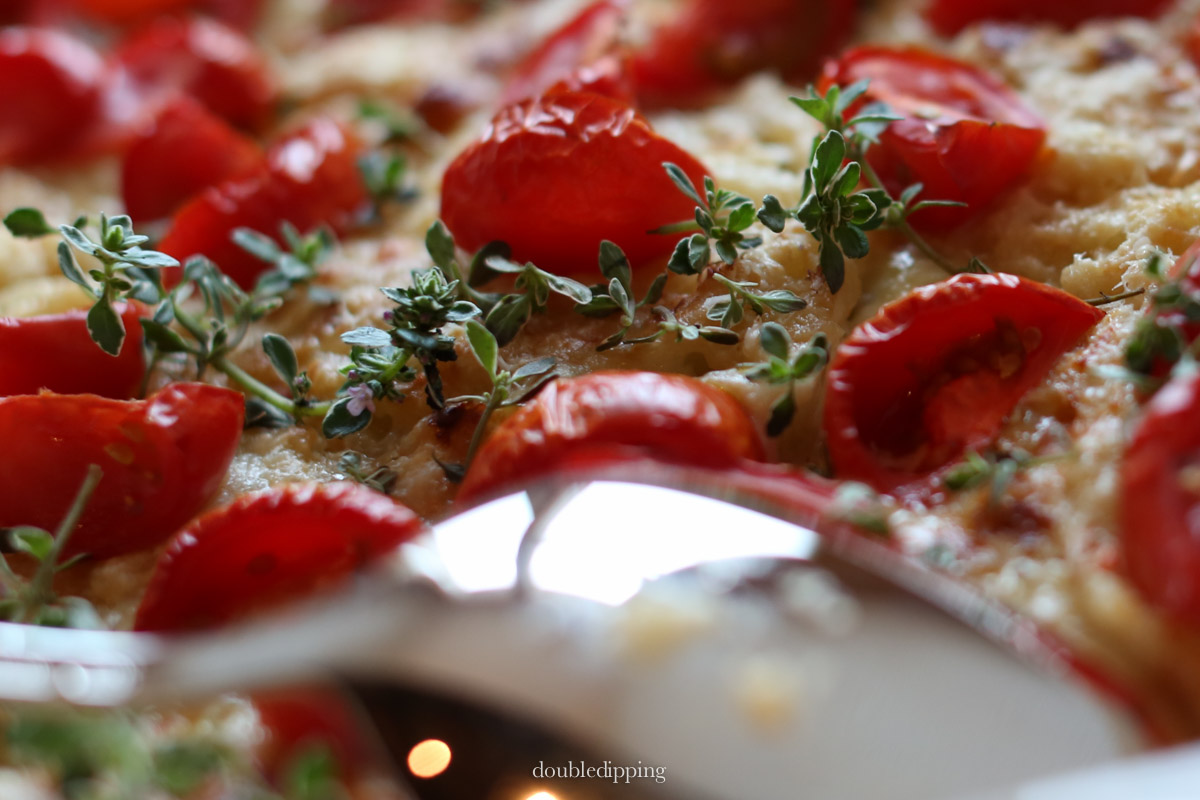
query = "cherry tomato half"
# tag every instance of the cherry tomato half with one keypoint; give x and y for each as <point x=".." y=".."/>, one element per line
<point x="206" y="59"/>
<point x="56" y="353"/>
<point x="583" y="52"/>
<point x="713" y="43"/>
<point x="51" y="85"/>
<point x="123" y="12"/>
<point x="553" y="177"/>
<point x="264" y="550"/>
<point x="163" y="460"/>
<point x="937" y="373"/>
<point x="1160" y="501"/>
<point x="184" y="151"/>
<point x="310" y="178"/>
<point x="966" y="136"/>
<point x="670" y="417"/>
<point x="298" y="720"/>
<point x="951" y="16"/>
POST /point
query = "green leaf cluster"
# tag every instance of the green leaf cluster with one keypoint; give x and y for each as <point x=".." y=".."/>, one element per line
<point x="782" y="367"/>
<point x="721" y="218"/>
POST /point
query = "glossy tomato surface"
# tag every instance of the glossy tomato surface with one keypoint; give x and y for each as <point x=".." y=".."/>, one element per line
<point x="966" y="136"/>
<point x="163" y="459"/>
<point x="184" y="151"/>
<point x="310" y="178"/>
<point x="1160" y="501"/>
<point x="124" y="12"/>
<point x="950" y="16"/>
<point x="265" y="550"/>
<point x="203" y="58"/>
<point x="710" y="44"/>
<point x="670" y="417"/>
<point x="55" y="352"/>
<point x="553" y="177"/>
<point x="583" y="53"/>
<point x="51" y="95"/>
<point x="938" y="372"/>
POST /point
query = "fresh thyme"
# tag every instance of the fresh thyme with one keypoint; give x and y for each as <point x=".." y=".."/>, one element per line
<point x="722" y="217"/>
<point x="833" y="209"/>
<point x="782" y="368"/>
<point x="507" y="388"/>
<point x="34" y="601"/>
<point x="107" y="755"/>
<point x="743" y="295"/>
<point x="381" y="479"/>
<point x="379" y="358"/>
<point x="996" y="471"/>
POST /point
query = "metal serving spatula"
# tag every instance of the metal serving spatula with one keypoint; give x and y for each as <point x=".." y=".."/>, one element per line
<point x="648" y="628"/>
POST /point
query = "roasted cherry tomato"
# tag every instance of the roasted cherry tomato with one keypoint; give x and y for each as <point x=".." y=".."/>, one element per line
<point x="310" y="178"/>
<point x="123" y="12"/>
<point x="262" y="551"/>
<point x="951" y="16"/>
<point x="163" y="460"/>
<point x="583" y="53"/>
<point x="937" y="372"/>
<point x="713" y="43"/>
<point x="555" y="176"/>
<point x="671" y="417"/>
<point x="206" y="59"/>
<point x="1160" y="501"/>
<point x="966" y="136"/>
<point x="299" y="720"/>
<point x="51" y="90"/>
<point x="184" y="151"/>
<point x="56" y="353"/>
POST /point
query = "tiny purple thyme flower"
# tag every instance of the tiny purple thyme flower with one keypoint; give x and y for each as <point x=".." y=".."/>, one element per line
<point x="361" y="399"/>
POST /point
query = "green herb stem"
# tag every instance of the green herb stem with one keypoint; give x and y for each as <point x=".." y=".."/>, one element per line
<point x="266" y="393"/>
<point x="494" y="400"/>
<point x="41" y="588"/>
<point x="903" y="225"/>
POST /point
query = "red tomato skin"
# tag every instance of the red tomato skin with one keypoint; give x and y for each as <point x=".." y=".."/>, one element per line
<point x="264" y="550"/>
<point x="929" y="377"/>
<point x="51" y="85"/>
<point x="711" y="44"/>
<point x="184" y="151"/>
<point x="671" y="417"/>
<point x="948" y="17"/>
<point x="1158" y="508"/>
<point x="974" y="139"/>
<point x="298" y="719"/>
<point x="206" y="59"/>
<point x="124" y="12"/>
<point x="55" y="352"/>
<point x="310" y="178"/>
<point x="553" y="177"/>
<point x="583" y="52"/>
<point x="163" y="460"/>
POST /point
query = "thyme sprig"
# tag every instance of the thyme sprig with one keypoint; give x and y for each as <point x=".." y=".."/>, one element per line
<point x="617" y="295"/>
<point x="833" y="209"/>
<point x="380" y="357"/>
<point x="108" y="755"/>
<point x="34" y="601"/>
<point x="507" y="388"/>
<point x="504" y="314"/>
<point x="783" y="368"/>
<point x="995" y="470"/>
<point x="743" y="295"/>
<point x="721" y="217"/>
